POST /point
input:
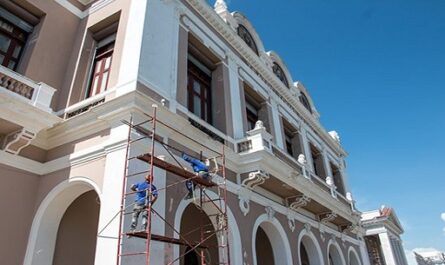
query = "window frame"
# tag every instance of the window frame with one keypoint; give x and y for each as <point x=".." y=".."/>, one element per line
<point x="305" y="101"/>
<point x="252" y="111"/>
<point x="195" y="73"/>
<point x="15" y="41"/>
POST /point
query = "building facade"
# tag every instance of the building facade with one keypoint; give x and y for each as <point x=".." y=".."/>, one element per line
<point x="72" y="70"/>
<point x="383" y="237"/>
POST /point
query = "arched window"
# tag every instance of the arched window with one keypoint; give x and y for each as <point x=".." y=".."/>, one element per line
<point x="278" y="71"/>
<point x="247" y="38"/>
<point x="305" y="102"/>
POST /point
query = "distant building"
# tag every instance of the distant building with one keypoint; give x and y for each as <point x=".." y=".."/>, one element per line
<point x="430" y="257"/>
<point x="382" y="237"/>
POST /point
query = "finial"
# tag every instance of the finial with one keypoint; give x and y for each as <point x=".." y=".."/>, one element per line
<point x="220" y="6"/>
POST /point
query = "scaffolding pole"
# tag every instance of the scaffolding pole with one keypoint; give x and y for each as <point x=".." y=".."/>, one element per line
<point x="220" y="229"/>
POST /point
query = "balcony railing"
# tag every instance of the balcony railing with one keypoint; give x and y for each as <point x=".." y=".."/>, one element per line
<point x="38" y="94"/>
<point x="259" y="140"/>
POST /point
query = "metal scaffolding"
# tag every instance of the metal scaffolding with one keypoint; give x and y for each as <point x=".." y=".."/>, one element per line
<point x="146" y="130"/>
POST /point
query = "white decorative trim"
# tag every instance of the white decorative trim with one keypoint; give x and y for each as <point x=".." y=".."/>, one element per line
<point x="338" y="254"/>
<point x="313" y="248"/>
<point x="72" y="8"/>
<point x="352" y="251"/>
<point x="234" y="234"/>
<point x="226" y="31"/>
<point x="291" y="221"/>
<point x="277" y="237"/>
<point x="16" y="141"/>
<point x="300" y="201"/>
<point x="244" y="200"/>
<point x="255" y="179"/>
<point x="327" y="217"/>
<point x="270" y="213"/>
<point x="42" y="237"/>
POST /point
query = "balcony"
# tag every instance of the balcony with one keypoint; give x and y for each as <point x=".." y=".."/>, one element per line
<point x="289" y="180"/>
<point x="24" y="109"/>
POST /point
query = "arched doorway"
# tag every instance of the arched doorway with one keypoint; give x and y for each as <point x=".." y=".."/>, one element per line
<point x="264" y="251"/>
<point x="353" y="257"/>
<point x="334" y="254"/>
<point x="192" y="221"/>
<point x="77" y="233"/>
<point x="269" y="242"/>
<point x="309" y="250"/>
<point x="304" y="256"/>
<point x="45" y="227"/>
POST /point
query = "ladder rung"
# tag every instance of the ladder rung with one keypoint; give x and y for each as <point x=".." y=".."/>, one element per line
<point x="133" y="253"/>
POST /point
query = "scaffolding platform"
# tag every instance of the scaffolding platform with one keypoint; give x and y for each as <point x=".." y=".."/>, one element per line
<point x="176" y="241"/>
<point x="176" y="170"/>
<point x="146" y="129"/>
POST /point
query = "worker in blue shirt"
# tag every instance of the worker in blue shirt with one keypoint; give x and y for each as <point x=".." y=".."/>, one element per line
<point x="142" y="200"/>
<point x="199" y="167"/>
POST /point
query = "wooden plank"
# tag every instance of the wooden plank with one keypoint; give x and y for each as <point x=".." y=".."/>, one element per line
<point x="176" y="241"/>
<point x="177" y="170"/>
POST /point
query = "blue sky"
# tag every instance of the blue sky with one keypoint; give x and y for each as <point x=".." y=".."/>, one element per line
<point x="376" y="72"/>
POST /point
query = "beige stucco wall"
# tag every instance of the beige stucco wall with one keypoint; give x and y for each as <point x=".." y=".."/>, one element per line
<point x="18" y="190"/>
<point x="76" y="237"/>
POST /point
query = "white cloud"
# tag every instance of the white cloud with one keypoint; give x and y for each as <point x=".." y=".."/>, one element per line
<point x="443" y="218"/>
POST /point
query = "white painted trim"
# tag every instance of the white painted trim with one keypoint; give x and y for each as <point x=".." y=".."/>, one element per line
<point x="82" y="14"/>
<point x="277" y="237"/>
<point x="72" y="8"/>
<point x="81" y="157"/>
<point x="43" y="234"/>
<point x="235" y="244"/>
<point x="314" y="241"/>
<point x="335" y="244"/>
<point x="352" y="251"/>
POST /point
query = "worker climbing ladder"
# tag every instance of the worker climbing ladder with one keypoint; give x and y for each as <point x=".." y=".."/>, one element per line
<point x="144" y="132"/>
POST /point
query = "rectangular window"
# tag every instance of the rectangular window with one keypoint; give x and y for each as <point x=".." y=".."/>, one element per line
<point x="101" y="68"/>
<point x="12" y="41"/>
<point x="288" y="142"/>
<point x="317" y="160"/>
<point x="338" y="179"/>
<point x="199" y="90"/>
<point x="252" y="110"/>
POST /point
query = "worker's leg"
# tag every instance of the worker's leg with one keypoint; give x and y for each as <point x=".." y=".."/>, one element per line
<point x="144" y="218"/>
<point x="203" y="174"/>
<point x="189" y="185"/>
<point x="135" y="216"/>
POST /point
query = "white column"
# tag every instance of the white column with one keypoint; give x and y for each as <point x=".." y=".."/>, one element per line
<point x="307" y="148"/>
<point x="159" y="55"/>
<point x="387" y="249"/>
<point x="237" y="117"/>
<point x="327" y="166"/>
<point x="131" y="50"/>
<point x="108" y="226"/>
<point x="276" y="124"/>
<point x="364" y="253"/>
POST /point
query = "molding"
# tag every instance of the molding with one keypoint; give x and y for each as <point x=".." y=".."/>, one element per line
<point x="280" y="89"/>
<point x="82" y="14"/>
<point x="75" y="159"/>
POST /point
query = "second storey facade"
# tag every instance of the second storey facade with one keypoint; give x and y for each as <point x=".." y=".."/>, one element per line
<point x="72" y="70"/>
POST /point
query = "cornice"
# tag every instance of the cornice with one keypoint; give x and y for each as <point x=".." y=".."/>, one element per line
<point x="275" y="84"/>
